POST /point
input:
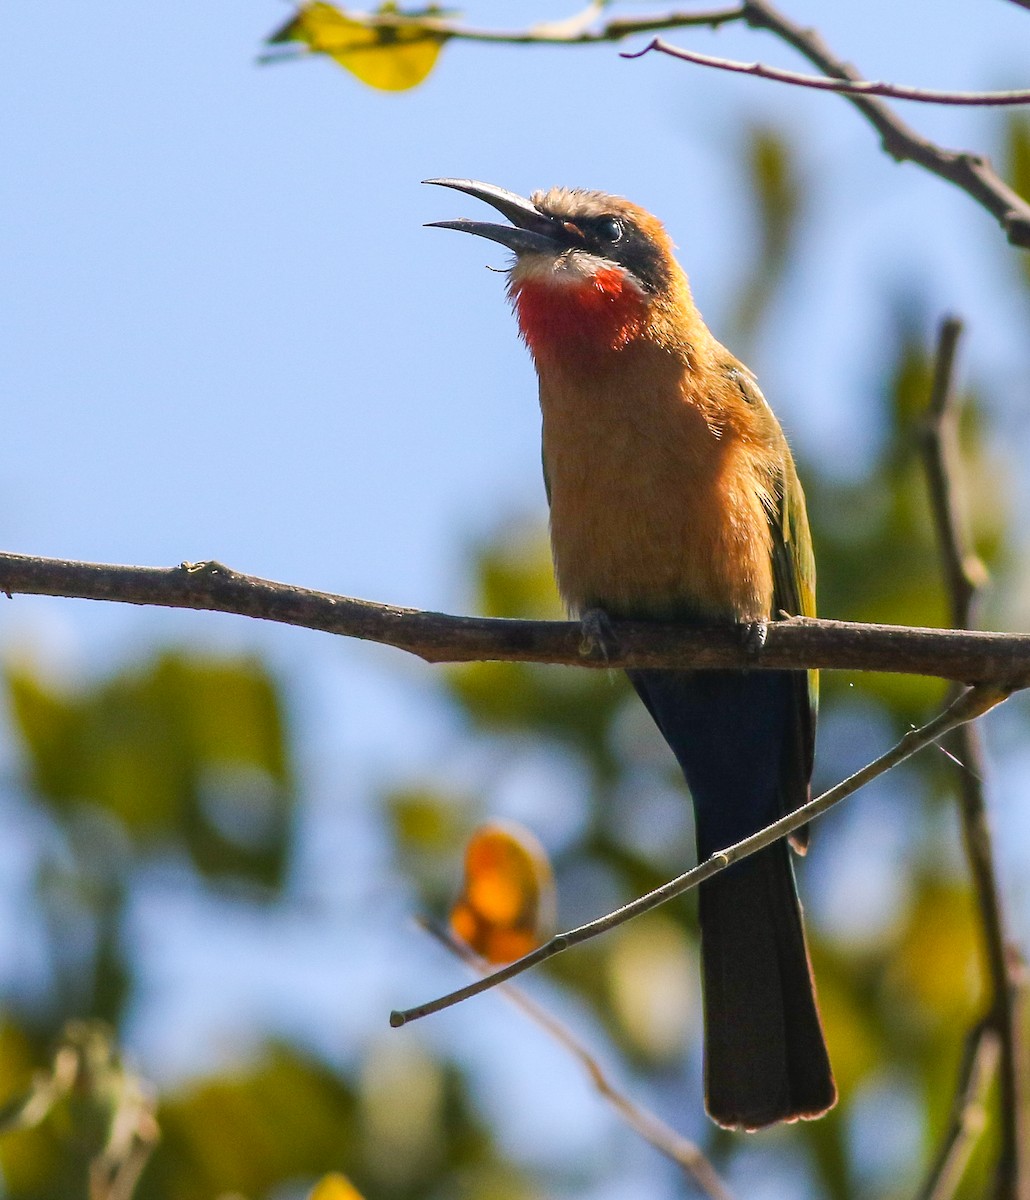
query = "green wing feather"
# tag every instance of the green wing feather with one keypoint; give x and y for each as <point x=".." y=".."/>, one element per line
<point x="793" y="594"/>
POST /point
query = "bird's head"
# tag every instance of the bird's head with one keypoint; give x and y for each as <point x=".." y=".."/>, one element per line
<point x="592" y="273"/>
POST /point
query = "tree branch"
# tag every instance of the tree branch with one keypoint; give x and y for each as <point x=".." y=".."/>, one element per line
<point x="575" y="31"/>
<point x="799" y="642"/>
<point x="970" y="704"/>
<point x="857" y="87"/>
<point x="662" y="1137"/>
<point x="964" y="573"/>
<point x="972" y="173"/>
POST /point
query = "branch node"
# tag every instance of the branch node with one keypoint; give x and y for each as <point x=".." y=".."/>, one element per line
<point x="972" y="173"/>
<point x="211" y="568"/>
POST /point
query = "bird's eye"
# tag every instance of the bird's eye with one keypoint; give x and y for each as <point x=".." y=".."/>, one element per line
<point x="609" y="229"/>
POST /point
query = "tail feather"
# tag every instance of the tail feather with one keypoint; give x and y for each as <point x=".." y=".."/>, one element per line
<point x="733" y="734"/>
<point x="765" y="1058"/>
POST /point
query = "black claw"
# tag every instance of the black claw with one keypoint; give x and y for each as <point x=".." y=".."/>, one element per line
<point x="753" y="637"/>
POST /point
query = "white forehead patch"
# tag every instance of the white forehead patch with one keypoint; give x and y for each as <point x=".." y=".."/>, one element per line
<point x="570" y="268"/>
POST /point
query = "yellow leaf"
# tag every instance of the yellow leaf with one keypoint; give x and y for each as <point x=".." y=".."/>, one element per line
<point x="334" y="1187"/>
<point x="506" y="904"/>
<point x="937" y="963"/>
<point x="392" y="58"/>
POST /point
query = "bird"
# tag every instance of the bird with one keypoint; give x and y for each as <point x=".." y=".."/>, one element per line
<point x="674" y="496"/>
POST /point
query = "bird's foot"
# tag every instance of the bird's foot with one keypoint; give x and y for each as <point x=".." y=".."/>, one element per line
<point x="753" y="635"/>
<point x="597" y="638"/>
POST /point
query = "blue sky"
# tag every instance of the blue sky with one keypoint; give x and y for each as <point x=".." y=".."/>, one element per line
<point x="226" y="334"/>
<point x="229" y="335"/>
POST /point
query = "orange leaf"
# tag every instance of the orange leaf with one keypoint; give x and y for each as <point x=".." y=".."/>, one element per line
<point x="506" y="904"/>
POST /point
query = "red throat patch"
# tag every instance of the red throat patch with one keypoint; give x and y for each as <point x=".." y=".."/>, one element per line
<point x="601" y="313"/>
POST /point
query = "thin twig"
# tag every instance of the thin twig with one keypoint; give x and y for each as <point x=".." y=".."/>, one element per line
<point x="571" y="32"/>
<point x="664" y="1138"/>
<point x="961" y="656"/>
<point x="973" y="173"/>
<point x="86" y="1066"/>
<point x="856" y="87"/>
<point x="971" y="704"/>
<point x="968" y="1115"/>
<point x="964" y="573"/>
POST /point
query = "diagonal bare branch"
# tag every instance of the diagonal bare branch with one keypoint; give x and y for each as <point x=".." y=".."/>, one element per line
<point x="664" y="1138"/>
<point x="968" y="706"/>
<point x="964" y="571"/>
<point x="971" y="172"/>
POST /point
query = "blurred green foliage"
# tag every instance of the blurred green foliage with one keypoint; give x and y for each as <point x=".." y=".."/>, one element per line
<point x="188" y="751"/>
<point x="181" y="755"/>
<point x="403" y="1127"/>
<point x="513" y="578"/>
<point x="189" y="757"/>
<point x="773" y="177"/>
<point x="1016" y="160"/>
<point x="874" y="536"/>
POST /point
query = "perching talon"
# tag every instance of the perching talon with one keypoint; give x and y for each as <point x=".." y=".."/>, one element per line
<point x="598" y="635"/>
<point x="754" y="635"/>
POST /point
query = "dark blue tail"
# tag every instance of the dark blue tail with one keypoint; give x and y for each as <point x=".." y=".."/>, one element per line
<point x="734" y="734"/>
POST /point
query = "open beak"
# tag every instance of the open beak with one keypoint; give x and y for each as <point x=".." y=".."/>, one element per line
<point x="529" y="231"/>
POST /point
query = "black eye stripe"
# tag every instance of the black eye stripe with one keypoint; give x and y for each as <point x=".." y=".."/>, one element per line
<point x="631" y="248"/>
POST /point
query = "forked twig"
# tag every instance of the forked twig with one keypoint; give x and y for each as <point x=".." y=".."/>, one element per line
<point x="973" y="173"/>
<point x="663" y="1137"/>
<point x="578" y="30"/>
